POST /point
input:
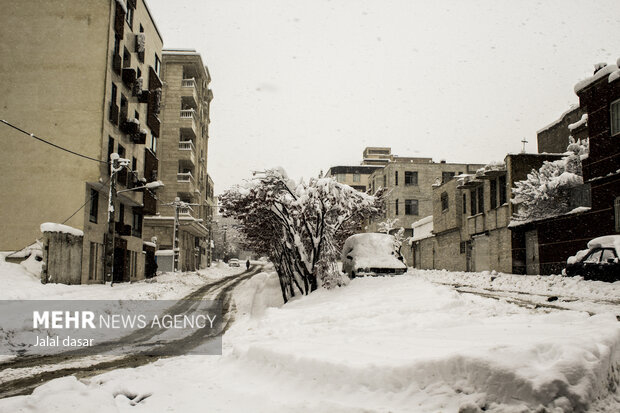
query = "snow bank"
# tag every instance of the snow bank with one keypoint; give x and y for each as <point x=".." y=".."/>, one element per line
<point x="53" y="227"/>
<point x="257" y="294"/>
<point x="371" y="250"/>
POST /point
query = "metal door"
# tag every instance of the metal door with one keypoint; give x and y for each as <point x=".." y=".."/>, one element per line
<point x="532" y="263"/>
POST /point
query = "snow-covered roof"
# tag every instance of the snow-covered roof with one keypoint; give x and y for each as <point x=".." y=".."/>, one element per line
<point x="149" y="244"/>
<point x="422" y="229"/>
<point x="605" y="71"/>
<point x="53" y="227"/>
<point x="558" y="120"/>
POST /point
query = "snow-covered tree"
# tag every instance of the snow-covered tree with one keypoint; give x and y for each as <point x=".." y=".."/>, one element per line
<point x="546" y="191"/>
<point x="301" y="227"/>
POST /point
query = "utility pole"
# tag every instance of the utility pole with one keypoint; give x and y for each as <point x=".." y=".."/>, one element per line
<point x="175" y="246"/>
<point x="116" y="164"/>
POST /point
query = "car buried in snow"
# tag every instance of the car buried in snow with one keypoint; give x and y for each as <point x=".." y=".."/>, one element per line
<point x="372" y="254"/>
<point x="233" y="262"/>
<point x="601" y="261"/>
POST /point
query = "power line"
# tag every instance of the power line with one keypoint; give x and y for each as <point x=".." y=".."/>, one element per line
<point x="32" y="135"/>
<point x="85" y="203"/>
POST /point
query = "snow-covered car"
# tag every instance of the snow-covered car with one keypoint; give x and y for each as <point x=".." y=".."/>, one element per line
<point x="372" y="254"/>
<point x="599" y="262"/>
<point x="233" y="262"/>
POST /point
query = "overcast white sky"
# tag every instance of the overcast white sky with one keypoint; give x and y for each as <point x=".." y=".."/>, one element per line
<point x="307" y="84"/>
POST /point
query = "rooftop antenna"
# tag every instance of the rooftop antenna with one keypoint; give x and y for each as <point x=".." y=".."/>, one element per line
<point x="524" y="141"/>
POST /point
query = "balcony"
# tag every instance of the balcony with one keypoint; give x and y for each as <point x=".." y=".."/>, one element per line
<point x="189" y="93"/>
<point x="476" y="224"/>
<point x="185" y="177"/>
<point x="189" y="121"/>
<point x="187" y="151"/>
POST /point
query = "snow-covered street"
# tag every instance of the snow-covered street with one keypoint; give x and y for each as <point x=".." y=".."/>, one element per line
<point x="401" y="344"/>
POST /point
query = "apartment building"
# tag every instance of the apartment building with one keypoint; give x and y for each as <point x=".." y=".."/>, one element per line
<point x="85" y="76"/>
<point x="182" y="149"/>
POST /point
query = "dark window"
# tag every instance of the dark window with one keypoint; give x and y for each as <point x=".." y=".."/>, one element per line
<point x="493" y="187"/>
<point x="385" y="181"/>
<point x="462" y="247"/>
<point x="94" y="205"/>
<point x="472" y="202"/>
<point x="411" y="178"/>
<point x="110" y="148"/>
<point x="138" y="73"/>
<point x="444" y="201"/>
<point x="114" y="93"/>
<point x="126" y="57"/>
<point x="396" y="178"/>
<point x="141" y="29"/>
<point x="615" y="117"/>
<point x="124" y="108"/>
<point x="121" y="213"/>
<point x="157" y="64"/>
<point x="396" y="206"/>
<point x="137" y="225"/>
<point x="411" y="207"/>
<point x="136" y="114"/>
<point x="121" y="176"/>
<point x="446" y="176"/>
<point x="464" y="203"/>
<point x="502" y="189"/>
<point x="481" y="199"/>
<point x="117" y="45"/>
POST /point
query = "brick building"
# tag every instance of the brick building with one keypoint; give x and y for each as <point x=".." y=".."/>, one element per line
<point x="551" y="241"/>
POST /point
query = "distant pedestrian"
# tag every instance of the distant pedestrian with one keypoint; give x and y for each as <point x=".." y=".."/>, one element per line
<point x="247" y="265"/>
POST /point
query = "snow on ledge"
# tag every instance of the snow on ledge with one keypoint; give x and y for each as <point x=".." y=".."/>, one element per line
<point x="583" y="120"/>
<point x="605" y="71"/>
<point x="53" y="227"/>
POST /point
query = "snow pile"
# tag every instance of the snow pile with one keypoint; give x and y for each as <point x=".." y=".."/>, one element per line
<point x="397" y="344"/>
<point x="260" y="292"/>
<point x="53" y="227"/>
<point x="607" y="241"/>
<point x="580" y="122"/>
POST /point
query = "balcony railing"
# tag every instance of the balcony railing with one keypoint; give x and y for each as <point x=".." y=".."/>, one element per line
<point x="188" y="83"/>
<point x="188" y="113"/>
<point x="185" y="177"/>
<point x="187" y="146"/>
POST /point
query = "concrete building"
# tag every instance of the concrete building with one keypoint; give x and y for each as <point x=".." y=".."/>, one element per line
<point x="85" y="76"/>
<point x="183" y="150"/>
<point x="356" y="176"/>
<point x="471" y="217"/>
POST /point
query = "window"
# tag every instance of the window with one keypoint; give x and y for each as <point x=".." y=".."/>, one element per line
<point x="121" y="213"/>
<point x="124" y="108"/>
<point x="129" y="15"/>
<point x="136" y="114"/>
<point x="444" y="201"/>
<point x="615" y="117"/>
<point x="110" y="148"/>
<point x="396" y="178"/>
<point x="341" y="177"/>
<point x="396" y="209"/>
<point x="141" y="29"/>
<point x="473" y="207"/>
<point x="114" y="94"/>
<point x="117" y="45"/>
<point x="481" y="199"/>
<point x="411" y="178"/>
<point x="462" y="247"/>
<point x="138" y="73"/>
<point x="502" y="190"/>
<point x="464" y="204"/>
<point x="94" y="206"/>
<point x="157" y="64"/>
<point x="126" y="57"/>
<point x="411" y="207"/>
<point x="356" y="178"/>
<point x="93" y="264"/>
<point x="446" y="176"/>
<point x="137" y="225"/>
<point x="608" y="255"/>
<point x="617" y="213"/>
<point x="493" y="184"/>
<point x="154" y="143"/>
<point x="385" y="181"/>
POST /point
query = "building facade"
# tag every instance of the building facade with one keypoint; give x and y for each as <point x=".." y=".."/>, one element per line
<point x="551" y="241"/>
<point x="356" y="176"/>
<point x="85" y="76"/>
<point x="183" y="150"/>
<point x="553" y="138"/>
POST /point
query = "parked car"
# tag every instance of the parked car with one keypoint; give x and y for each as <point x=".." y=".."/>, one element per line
<point x="233" y="262"/>
<point x="372" y="254"/>
<point x="599" y="262"/>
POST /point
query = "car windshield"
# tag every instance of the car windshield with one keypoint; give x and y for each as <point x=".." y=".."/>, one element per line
<point x="608" y="254"/>
<point x="593" y="258"/>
